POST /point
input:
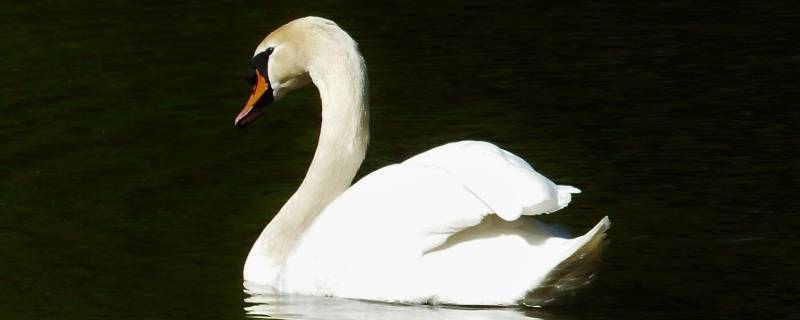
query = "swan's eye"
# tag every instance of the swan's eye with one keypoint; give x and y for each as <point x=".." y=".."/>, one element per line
<point x="259" y="63"/>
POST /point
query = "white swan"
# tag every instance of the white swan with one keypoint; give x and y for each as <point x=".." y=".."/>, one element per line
<point x="446" y="226"/>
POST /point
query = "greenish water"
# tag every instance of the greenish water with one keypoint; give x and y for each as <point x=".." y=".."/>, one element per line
<point x="125" y="191"/>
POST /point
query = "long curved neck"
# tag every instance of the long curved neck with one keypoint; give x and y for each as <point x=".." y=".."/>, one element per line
<point x="343" y="139"/>
<point x="340" y="75"/>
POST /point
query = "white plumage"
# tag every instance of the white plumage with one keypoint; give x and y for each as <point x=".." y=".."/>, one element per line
<point x="448" y="226"/>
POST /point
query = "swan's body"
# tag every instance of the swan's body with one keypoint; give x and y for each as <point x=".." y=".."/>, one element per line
<point x="449" y="225"/>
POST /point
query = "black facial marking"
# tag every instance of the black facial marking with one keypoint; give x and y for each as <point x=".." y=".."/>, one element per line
<point x="250" y="76"/>
<point x="259" y="63"/>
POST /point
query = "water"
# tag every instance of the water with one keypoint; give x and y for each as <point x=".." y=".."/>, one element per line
<point x="125" y="192"/>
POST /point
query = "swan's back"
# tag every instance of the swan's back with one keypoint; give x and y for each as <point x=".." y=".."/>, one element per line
<point x="425" y="231"/>
<point x="505" y="182"/>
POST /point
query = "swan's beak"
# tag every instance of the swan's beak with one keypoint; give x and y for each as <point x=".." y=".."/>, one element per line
<point x="260" y="97"/>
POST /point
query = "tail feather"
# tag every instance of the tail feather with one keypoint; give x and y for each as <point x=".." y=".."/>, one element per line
<point x="565" y="195"/>
<point x="575" y="272"/>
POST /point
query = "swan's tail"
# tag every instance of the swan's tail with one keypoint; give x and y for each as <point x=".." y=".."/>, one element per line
<point x="565" y="195"/>
<point x="575" y="272"/>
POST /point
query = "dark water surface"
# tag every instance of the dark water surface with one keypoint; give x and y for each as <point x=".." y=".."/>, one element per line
<point x="125" y="191"/>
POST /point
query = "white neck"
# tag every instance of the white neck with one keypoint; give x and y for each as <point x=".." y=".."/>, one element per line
<point x="338" y="71"/>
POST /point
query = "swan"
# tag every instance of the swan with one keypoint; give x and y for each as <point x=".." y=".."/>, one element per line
<point x="448" y="226"/>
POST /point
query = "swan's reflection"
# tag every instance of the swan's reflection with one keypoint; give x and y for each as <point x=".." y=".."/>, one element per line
<point x="276" y="306"/>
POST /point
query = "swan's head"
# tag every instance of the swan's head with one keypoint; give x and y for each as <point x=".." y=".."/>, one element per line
<point x="280" y="63"/>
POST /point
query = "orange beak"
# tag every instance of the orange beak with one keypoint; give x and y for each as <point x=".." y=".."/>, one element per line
<point x="260" y="97"/>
